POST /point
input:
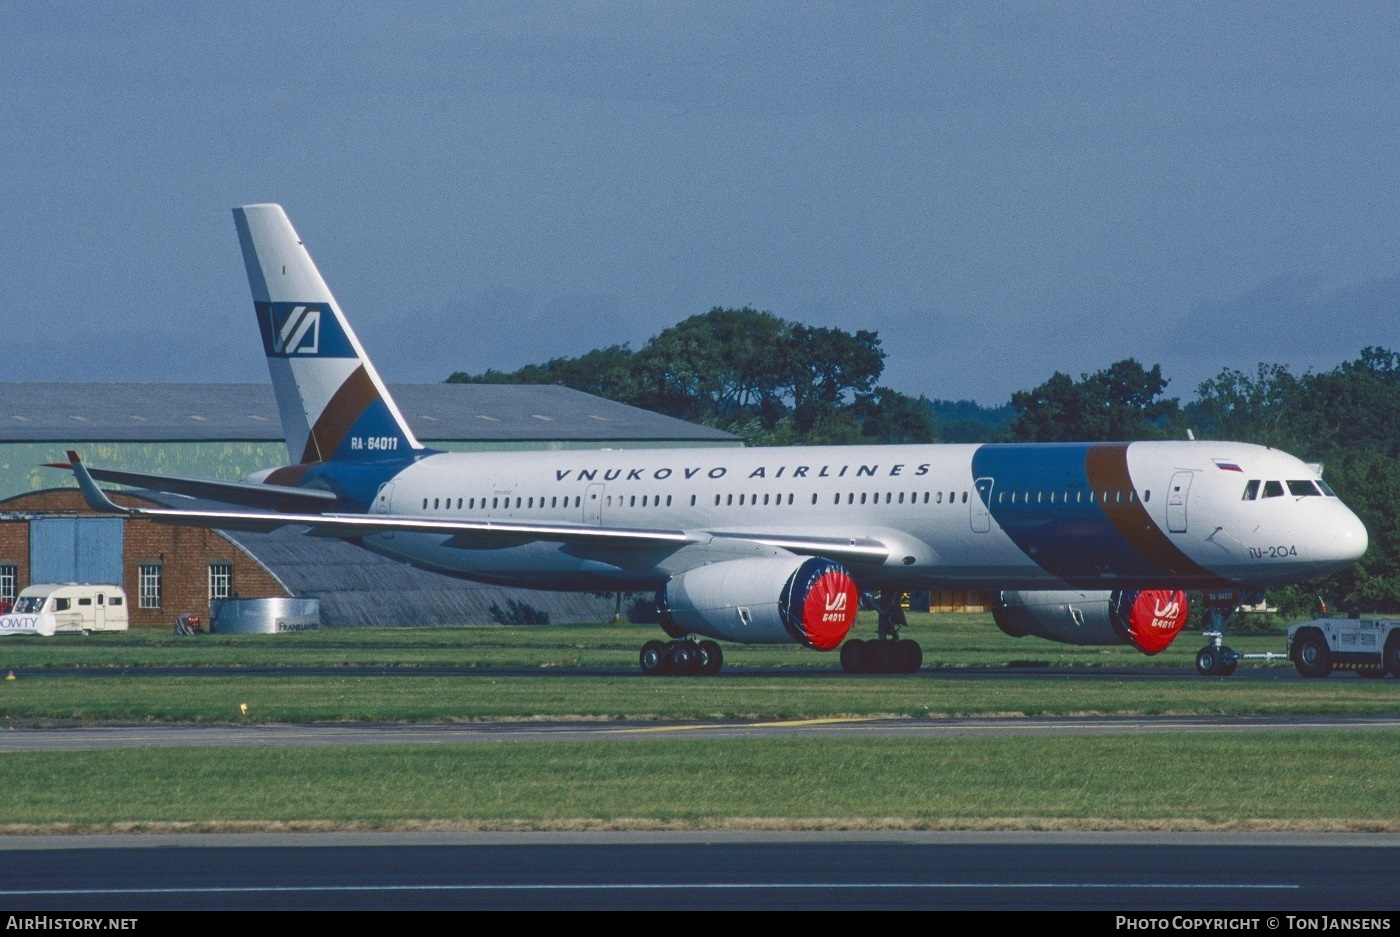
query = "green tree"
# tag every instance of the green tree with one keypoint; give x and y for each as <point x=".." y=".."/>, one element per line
<point x="1121" y="402"/>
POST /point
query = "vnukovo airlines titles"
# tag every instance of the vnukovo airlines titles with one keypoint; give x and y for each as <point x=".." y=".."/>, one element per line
<point x="720" y="471"/>
<point x="1111" y="533"/>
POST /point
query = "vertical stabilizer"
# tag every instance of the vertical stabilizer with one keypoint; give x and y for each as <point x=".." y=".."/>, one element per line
<point x="332" y="402"/>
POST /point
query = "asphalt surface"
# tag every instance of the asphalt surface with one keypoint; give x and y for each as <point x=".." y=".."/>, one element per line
<point x="83" y="738"/>
<point x="1278" y="879"/>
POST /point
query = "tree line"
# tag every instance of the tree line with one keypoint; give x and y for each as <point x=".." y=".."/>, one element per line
<point x="776" y="382"/>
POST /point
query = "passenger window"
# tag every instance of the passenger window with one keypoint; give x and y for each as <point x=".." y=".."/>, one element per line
<point x="850" y="497"/>
<point x="964" y="500"/>
<point x="901" y="497"/>
<point x="765" y="500"/>
<point x="1303" y="489"/>
<point x="668" y="501"/>
<point x="633" y="502"/>
<point x="862" y="497"/>
<point x="1273" y="489"/>
<point x="1251" y="490"/>
<point x="1147" y="496"/>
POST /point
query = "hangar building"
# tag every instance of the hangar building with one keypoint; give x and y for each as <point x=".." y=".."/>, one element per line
<point x="228" y="431"/>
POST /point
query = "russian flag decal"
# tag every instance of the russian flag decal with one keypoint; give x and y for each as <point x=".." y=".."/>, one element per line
<point x="1227" y="465"/>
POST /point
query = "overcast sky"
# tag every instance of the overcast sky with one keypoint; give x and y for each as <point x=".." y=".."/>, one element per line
<point x="1000" y="190"/>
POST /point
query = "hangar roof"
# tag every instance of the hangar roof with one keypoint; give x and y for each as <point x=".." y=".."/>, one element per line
<point x="78" y="412"/>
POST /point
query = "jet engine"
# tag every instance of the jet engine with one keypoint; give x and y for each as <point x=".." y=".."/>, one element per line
<point x="1147" y="619"/>
<point x="775" y="600"/>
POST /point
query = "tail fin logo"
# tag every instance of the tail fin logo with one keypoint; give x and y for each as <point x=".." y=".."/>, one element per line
<point x="300" y="333"/>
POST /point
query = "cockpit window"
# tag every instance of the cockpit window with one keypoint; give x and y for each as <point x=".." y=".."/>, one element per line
<point x="1326" y="488"/>
<point x="1303" y="489"/>
<point x="1251" y="490"/>
<point x="1273" y="489"/>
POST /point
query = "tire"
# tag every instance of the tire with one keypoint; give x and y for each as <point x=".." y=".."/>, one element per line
<point x="1311" y="655"/>
<point x="1392" y="654"/>
<point x="684" y="659"/>
<point x="881" y="655"/>
<point x="654" y="659"/>
<point x="1227" y="663"/>
<point x="1207" y="661"/>
<point x="853" y="656"/>
<point x="711" y="658"/>
<point x="908" y="656"/>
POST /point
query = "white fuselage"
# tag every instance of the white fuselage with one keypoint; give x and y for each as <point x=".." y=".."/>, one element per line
<point x="1142" y="515"/>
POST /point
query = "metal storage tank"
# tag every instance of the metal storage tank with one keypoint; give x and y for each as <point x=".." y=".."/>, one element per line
<point x="264" y="616"/>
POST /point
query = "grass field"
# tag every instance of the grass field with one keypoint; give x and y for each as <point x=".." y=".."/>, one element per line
<point x="1249" y="781"/>
<point x="949" y="640"/>
<point x="952" y="639"/>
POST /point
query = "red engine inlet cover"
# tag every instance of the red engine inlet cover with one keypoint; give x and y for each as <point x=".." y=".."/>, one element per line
<point x="820" y="603"/>
<point x="1153" y="617"/>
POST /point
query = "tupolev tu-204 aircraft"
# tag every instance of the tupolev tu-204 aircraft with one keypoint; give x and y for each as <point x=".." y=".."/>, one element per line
<point x="1089" y="543"/>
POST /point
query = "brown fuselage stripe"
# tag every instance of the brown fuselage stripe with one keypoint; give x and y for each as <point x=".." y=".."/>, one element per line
<point x="1106" y="466"/>
<point x="345" y="407"/>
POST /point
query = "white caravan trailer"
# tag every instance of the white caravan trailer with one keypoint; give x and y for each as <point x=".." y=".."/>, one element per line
<point x="52" y="608"/>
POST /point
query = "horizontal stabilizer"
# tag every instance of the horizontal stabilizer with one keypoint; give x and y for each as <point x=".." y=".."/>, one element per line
<point x="267" y="497"/>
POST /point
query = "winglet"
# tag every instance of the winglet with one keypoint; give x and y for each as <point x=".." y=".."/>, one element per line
<point x="94" y="496"/>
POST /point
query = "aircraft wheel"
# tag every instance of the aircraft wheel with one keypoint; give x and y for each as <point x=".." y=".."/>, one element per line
<point x="1227" y="663"/>
<point x="1392" y="654"/>
<point x="909" y="656"/>
<point x="1311" y="655"/>
<point x="1207" y="661"/>
<point x="653" y="658"/>
<point x="684" y="659"/>
<point x="881" y="654"/>
<point x="711" y="658"/>
<point x="853" y="656"/>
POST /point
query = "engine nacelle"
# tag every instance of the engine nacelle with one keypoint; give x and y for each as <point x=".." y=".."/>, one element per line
<point x="1147" y="619"/>
<point x="777" y="600"/>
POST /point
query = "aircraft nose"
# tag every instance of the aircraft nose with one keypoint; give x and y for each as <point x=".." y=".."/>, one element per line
<point x="1341" y="542"/>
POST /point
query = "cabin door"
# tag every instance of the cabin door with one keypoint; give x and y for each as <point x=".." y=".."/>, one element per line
<point x="981" y="518"/>
<point x="1176" y="502"/>
<point x="593" y="505"/>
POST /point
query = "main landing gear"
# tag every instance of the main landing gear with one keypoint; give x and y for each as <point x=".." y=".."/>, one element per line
<point x="681" y="658"/>
<point x="888" y="653"/>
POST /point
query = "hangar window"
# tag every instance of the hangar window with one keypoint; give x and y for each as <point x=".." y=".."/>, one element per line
<point x="220" y="581"/>
<point x="9" y="577"/>
<point x="150" y="584"/>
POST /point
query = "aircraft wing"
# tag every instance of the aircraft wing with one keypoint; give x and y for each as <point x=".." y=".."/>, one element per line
<point x="472" y="534"/>
<point x="271" y="497"/>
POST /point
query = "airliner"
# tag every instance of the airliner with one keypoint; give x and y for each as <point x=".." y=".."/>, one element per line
<point x="1083" y="542"/>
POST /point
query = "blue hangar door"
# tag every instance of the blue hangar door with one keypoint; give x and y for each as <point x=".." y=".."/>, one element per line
<point x="75" y="549"/>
